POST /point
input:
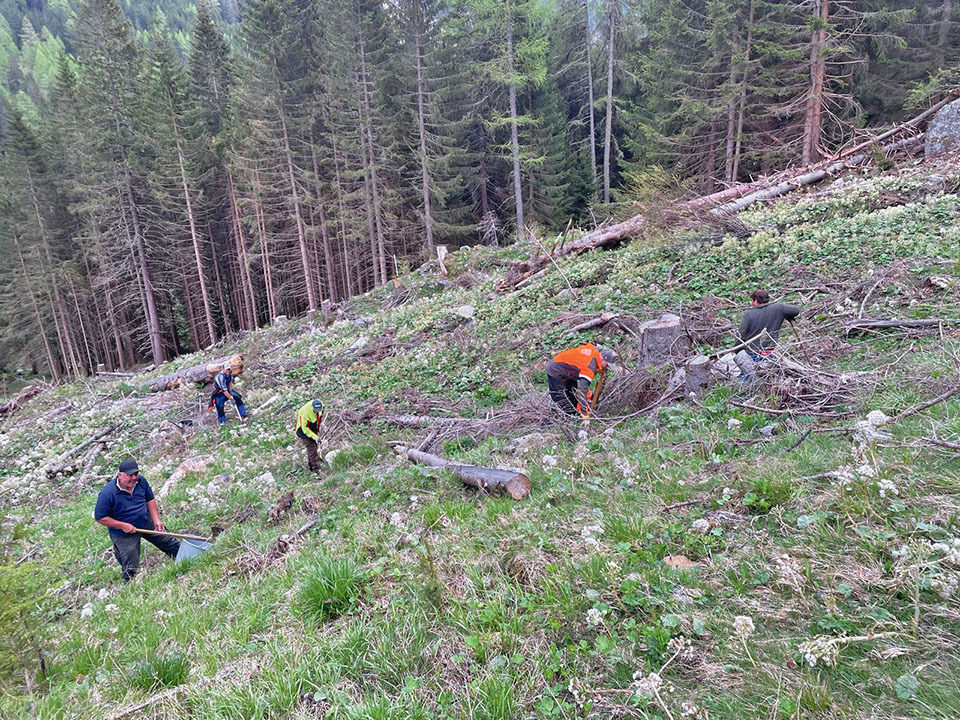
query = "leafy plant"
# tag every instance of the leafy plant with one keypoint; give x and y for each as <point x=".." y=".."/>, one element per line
<point x="767" y="494"/>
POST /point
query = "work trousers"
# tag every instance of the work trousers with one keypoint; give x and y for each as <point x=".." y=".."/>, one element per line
<point x="127" y="551"/>
<point x="313" y="459"/>
<point x="563" y="393"/>
<point x="220" y="399"/>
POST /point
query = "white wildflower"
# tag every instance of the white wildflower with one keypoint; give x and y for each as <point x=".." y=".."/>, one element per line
<point x="103" y="594"/>
<point x="110" y="608"/>
<point x="946" y="584"/>
<point x="700" y="525"/>
<point x="549" y="460"/>
<point x="396" y="519"/>
<point x="649" y="684"/>
<point x="689" y="710"/>
<point x="590" y="533"/>
<point x="87" y="611"/>
<point x="950" y="551"/>
<point x="821" y="650"/>
<point x="866" y="471"/>
<point x="743" y="626"/>
<point x="887" y="487"/>
<point x="877" y="418"/>
<point x="733" y="424"/>
<point x="594" y="617"/>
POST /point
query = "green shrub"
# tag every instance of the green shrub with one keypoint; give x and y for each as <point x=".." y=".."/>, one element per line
<point x="766" y="494"/>
<point x="330" y="588"/>
<point x="161" y="671"/>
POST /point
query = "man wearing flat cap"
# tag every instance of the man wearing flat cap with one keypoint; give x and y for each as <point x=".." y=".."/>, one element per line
<point x="125" y="504"/>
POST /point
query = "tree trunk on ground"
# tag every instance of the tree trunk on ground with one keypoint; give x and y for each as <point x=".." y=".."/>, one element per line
<point x="10" y="407"/>
<point x="493" y="480"/>
<point x="514" y="141"/>
<point x="202" y="373"/>
<point x="608" y="131"/>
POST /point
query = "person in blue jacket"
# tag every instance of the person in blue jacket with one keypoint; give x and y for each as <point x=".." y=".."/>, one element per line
<point x="223" y="391"/>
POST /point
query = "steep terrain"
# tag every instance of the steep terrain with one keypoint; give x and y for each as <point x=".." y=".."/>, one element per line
<point x="699" y="559"/>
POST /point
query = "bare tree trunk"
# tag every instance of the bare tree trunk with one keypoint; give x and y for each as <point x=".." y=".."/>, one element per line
<point x="813" y="122"/>
<point x="324" y="234"/>
<point x="298" y="217"/>
<point x="114" y="326"/>
<point x="101" y="328"/>
<point x="83" y="329"/>
<point x="36" y="310"/>
<point x="243" y="260"/>
<point x="366" y="117"/>
<point x="347" y="276"/>
<point x="58" y="306"/>
<point x="593" y="130"/>
<point x="743" y="96"/>
<point x="514" y="141"/>
<point x="188" y="301"/>
<point x="421" y="126"/>
<point x="943" y="31"/>
<point x="264" y="247"/>
<point x="608" y="132"/>
<point x="711" y="156"/>
<point x="194" y="237"/>
<point x="224" y="309"/>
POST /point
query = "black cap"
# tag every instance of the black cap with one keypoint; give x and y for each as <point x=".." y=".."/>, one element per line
<point x="129" y="467"/>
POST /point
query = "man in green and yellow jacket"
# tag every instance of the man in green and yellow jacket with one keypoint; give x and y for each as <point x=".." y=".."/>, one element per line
<point x="309" y="418"/>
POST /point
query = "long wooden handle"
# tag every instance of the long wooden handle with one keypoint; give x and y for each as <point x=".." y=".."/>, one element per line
<point x="182" y="536"/>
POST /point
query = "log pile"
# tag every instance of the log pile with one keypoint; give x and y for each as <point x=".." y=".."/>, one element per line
<point x="203" y="373"/>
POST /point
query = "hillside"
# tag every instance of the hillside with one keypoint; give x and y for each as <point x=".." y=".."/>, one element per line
<point x="696" y="559"/>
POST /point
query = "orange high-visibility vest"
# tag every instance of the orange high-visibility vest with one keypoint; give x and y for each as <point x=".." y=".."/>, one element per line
<point x="585" y="358"/>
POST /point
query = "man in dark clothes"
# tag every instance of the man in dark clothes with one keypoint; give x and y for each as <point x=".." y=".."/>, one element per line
<point x="125" y="504"/>
<point x="765" y="315"/>
<point x="570" y="373"/>
<point x="764" y="319"/>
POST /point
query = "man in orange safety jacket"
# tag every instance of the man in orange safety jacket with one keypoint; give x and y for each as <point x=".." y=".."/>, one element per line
<point x="570" y="373"/>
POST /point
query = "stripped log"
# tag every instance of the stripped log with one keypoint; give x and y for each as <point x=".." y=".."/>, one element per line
<point x="592" y="240"/>
<point x="859" y="327"/>
<point x="492" y="480"/>
<point x="202" y="373"/>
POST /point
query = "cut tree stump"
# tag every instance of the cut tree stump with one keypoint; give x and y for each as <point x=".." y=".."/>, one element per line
<point x="696" y="377"/>
<point x="203" y="373"/>
<point x="660" y="339"/>
<point x="493" y="480"/>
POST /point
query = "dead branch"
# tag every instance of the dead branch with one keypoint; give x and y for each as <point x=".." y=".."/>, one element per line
<point x="493" y="480"/>
<point x="61" y="466"/>
<point x="857" y="327"/>
<point x="26" y="394"/>
<point x="923" y="406"/>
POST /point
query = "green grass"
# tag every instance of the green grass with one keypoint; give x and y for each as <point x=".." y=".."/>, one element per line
<point x="416" y="597"/>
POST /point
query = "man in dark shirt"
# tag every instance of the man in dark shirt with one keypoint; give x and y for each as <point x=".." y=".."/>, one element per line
<point x="125" y="504"/>
<point x="764" y="318"/>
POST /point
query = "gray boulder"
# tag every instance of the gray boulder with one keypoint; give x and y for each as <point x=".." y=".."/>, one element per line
<point x="943" y="133"/>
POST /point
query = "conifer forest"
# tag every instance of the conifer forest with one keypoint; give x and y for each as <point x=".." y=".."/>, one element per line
<point x="174" y="173"/>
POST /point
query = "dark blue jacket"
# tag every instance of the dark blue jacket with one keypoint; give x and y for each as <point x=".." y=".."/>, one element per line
<point x="126" y="507"/>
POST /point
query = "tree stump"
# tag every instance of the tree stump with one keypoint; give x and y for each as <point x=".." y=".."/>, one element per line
<point x="660" y="339"/>
<point x="697" y="375"/>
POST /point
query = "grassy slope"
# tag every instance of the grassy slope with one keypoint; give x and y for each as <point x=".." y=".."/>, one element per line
<point x="455" y="605"/>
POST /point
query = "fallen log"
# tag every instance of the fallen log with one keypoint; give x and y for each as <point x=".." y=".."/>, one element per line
<point x="61" y="464"/>
<point x="202" y="373"/>
<point x="591" y="241"/>
<point x="29" y="392"/>
<point x="492" y="480"/>
<point x="859" y="327"/>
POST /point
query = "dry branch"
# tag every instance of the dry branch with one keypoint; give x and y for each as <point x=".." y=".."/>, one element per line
<point x="203" y="373"/>
<point x="856" y="327"/>
<point x="61" y="465"/>
<point x="493" y="480"/>
<point x="928" y="404"/>
<point x="30" y="391"/>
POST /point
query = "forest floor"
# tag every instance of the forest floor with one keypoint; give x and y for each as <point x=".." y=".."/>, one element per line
<point x="699" y="560"/>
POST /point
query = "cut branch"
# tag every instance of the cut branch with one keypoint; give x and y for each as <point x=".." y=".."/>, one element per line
<point x="857" y="327"/>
